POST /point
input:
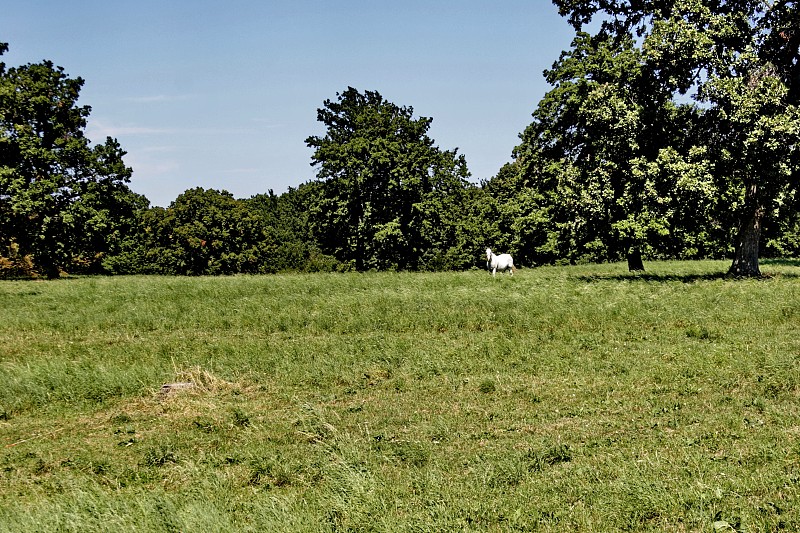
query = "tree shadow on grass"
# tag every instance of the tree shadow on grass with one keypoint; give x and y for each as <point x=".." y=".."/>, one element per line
<point x="695" y="277"/>
<point x="43" y="279"/>
<point x="784" y="262"/>
<point x="650" y="277"/>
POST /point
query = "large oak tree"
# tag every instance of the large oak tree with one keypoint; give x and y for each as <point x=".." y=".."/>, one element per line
<point x="610" y="176"/>
<point x="60" y="197"/>
<point x="738" y="62"/>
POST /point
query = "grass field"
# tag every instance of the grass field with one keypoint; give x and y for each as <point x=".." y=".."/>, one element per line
<point x="562" y="399"/>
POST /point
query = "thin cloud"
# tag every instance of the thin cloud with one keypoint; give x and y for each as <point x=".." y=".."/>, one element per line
<point x="150" y="99"/>
<point x="151" y="168"/>
<point x="241" y="171"/>
<point x="266" y="123"/>
<point x="100" y="129"/>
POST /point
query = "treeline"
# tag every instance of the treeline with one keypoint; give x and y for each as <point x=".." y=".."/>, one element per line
<point x="670" y="132"/>
<point x="206" y="231"/>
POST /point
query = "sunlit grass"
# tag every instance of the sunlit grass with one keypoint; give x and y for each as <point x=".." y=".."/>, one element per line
<point x="562" y="399"/>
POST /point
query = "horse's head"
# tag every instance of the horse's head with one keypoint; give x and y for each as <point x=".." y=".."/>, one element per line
<point x="488" y="254"/>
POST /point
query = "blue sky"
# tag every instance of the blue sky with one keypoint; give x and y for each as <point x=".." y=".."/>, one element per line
<point x="223" y="94"/>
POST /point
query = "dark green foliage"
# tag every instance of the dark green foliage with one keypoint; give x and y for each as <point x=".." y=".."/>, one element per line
<point x="781" y="235"/>
<point x="208" y="232"/>
<point x="726" y="74"/>
<point x="287" y="216"/>
<point x="390" y="198"/>
<point x="605" y="171"/>
<point x="63" y="203"/>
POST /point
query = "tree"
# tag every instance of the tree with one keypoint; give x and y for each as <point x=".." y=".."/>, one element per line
<point x="207" y="232"/>
<point x="287" y="217"/>
<point x="381" y="174"/>
<point x="53" y="183"/>
<point x="513" y="216"/>
<point x="739" y="61"/>
<point x="499" y="209"/>
<point x="607" y="163"/>
<point x="108" y="215"/>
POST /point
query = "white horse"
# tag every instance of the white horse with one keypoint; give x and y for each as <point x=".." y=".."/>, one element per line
<point x="499" y="262"/>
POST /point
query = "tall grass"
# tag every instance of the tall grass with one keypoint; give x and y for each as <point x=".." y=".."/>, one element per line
<point x="562" y="399"/>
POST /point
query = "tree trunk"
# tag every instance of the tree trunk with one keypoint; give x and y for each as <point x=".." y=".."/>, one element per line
<point x="635" y="260"/>
<point x="745" y="259"/>
<point x="48" y="267"/>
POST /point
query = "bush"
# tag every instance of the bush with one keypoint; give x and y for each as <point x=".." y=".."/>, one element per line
<point x="13" y="265"/>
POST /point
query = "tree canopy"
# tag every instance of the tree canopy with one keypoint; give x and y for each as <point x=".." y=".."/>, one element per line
<point x="57" y="191"/>
<point x="691" y="100"/>
<point x="616" y="163"/>
<point x="389" y="193"/>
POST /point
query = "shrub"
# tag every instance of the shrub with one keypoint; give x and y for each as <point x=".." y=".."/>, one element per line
<point x="14" y="265"/>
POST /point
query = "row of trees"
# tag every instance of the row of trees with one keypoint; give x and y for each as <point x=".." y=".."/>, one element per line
<point x="670" y="132"/>
<point x="385" y="198"/>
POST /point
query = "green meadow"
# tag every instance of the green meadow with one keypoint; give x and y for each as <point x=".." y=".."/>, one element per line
<point x="578" y="398"/>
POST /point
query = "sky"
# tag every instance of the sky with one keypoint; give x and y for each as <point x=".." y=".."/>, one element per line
<point x="223" y="94"/>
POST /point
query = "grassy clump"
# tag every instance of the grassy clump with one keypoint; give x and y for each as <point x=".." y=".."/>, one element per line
<point x="572" y="398"/>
